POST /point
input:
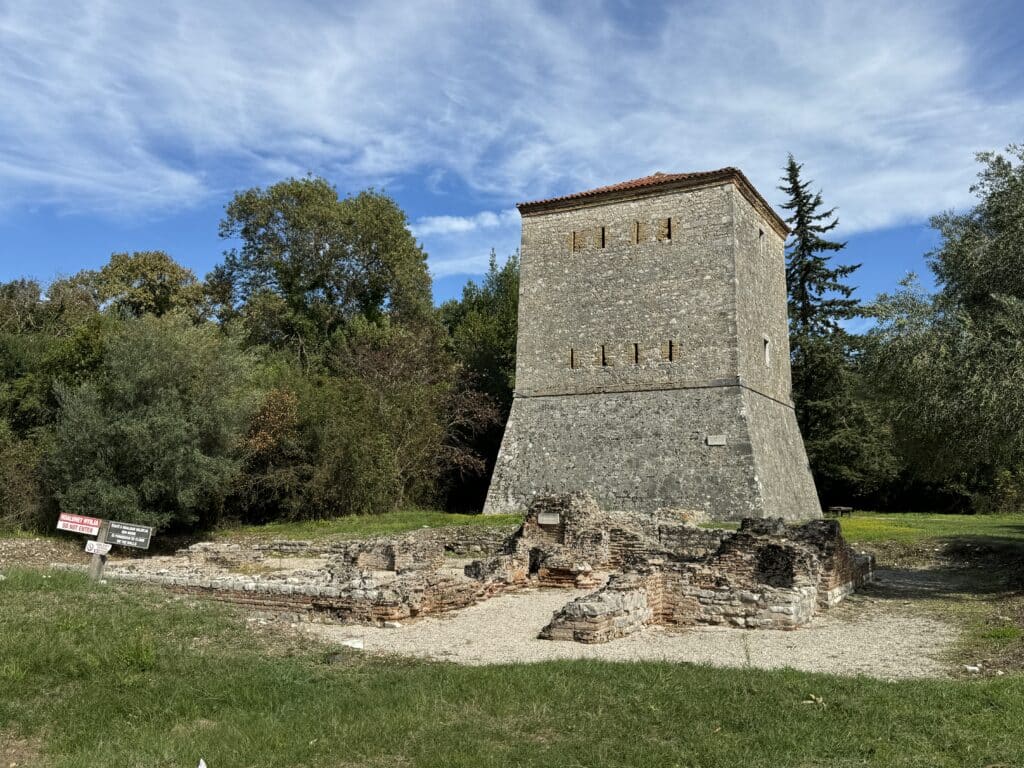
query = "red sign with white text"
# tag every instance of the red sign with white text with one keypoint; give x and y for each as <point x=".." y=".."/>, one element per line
<point x="90" y="526"/>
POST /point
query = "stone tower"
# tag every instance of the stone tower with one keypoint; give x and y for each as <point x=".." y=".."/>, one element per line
<point x="652" y="367"/>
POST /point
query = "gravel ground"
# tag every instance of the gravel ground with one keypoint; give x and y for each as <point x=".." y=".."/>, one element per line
<point x="863" y="637"/>
<point x="41" y="553"/>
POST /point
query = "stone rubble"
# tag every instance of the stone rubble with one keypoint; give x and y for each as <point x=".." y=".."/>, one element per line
<point x="642" y="569"/>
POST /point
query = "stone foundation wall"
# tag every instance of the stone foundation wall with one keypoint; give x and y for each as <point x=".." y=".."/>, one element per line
<point x="461" y="540"/>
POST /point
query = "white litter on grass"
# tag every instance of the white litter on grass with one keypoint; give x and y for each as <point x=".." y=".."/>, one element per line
<point x="353" y="642"/>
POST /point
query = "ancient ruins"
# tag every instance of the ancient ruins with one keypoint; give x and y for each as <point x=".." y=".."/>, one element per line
<point x="652" y="362"/>
<point x="652" y="376"/>
<point x="660" y="568"/>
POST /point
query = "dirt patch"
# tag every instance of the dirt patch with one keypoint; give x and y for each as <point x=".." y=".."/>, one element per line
<point x="41" y="553"/>
<point x="17" y="752"/>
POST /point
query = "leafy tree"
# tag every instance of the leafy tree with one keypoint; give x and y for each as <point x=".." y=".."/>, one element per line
<point x="151" y="438"/>
<point x="22" y="503"/>
<point x="45" y="338"/>
<point x="847" y="443"/>
<point x="483" y="327"/>
<point x="310" y="262"/>
<point x="149" y="283"/>
<point x="953" y="363"/>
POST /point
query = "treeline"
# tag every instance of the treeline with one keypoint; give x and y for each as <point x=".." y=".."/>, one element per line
<point x="310" y="375"/>
<point x="925" y="410"/>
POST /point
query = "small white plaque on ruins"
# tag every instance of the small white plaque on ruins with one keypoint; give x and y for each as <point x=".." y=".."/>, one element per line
<point x="716" y="439"/>
<point x="548" y="518"/>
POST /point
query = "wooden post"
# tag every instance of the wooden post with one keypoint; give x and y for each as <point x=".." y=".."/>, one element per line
<point x="99" y="561"/>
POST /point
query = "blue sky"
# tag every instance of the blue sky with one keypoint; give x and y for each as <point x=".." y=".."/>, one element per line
<point x="127" y="126"/>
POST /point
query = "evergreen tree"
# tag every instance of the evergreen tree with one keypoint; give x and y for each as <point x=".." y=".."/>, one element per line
<point x="818" y="297"/>
<point x="847" y="444"/>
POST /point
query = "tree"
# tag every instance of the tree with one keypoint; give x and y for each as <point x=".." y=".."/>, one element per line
<point x="150" y="283"/>
<point x="372" y="417"/>
<point x="310" y="262"/>
<point x="952" y="364"/>
<point x="818" y="297"/>
<point x="482" y="326"/>
<point x="847" y="443"/>
<point x="152" y="437"/>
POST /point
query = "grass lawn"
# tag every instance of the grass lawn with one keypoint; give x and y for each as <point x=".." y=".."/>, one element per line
<point x="364" y="525"/>
<point x="120" y="677"/>
<point x="866" y="527"/>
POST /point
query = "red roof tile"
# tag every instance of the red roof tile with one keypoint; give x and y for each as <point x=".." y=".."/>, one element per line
<point x="657" y="182"/>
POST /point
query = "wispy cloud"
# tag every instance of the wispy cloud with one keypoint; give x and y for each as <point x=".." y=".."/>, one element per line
<point x="460" y="225"/>
<point x="131" y="108"/>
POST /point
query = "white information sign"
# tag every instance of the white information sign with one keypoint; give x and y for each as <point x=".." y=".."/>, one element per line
<point x="97" y="547"/>
<point x="90" y="526"/>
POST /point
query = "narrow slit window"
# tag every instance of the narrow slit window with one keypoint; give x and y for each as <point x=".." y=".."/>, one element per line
<point x="671" y="351"/>
<point x="604" y="240"/>
<point x="666" y="230"/>
<point x="604" y="358"/>
<point x="577" y="241"/>
<point x="572" y="357"/>
<point x="636" y="233"/>
<point x="767" y="352"/>
<point x="636" y="354"/>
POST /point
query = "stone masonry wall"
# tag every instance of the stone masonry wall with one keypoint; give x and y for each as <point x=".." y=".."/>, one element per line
<point x="634" y="451"/>
<point x="641" y="347"/>
<point x="626" y="293"/>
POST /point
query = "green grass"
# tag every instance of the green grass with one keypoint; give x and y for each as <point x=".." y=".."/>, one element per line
<point x="17" y="533"/>
<point x="126" y="677"/>
<point x="909" y="527"/>
<point x="365" y="525"/>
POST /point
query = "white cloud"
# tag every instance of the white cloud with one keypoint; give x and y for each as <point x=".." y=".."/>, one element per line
<point x="459" y="225"/>
<point x="461" y="245"/>
<point x="134" y="108"/>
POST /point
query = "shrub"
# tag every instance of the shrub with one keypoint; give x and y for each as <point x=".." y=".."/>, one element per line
<point x="153" y="437"/>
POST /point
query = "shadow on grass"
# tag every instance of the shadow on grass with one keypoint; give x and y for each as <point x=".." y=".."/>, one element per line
<point x="952" y="566"/>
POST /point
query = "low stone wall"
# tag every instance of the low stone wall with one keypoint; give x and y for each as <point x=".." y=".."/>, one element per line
<point x="460" y="540"/>
<point x="365" y="599"/>
<point x="625" y="605"/>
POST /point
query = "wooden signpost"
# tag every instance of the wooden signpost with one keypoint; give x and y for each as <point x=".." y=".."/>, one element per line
<point x="107" y="533"/>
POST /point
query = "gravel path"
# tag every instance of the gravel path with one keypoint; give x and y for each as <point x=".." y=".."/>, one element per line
<point x="887" y="641"/>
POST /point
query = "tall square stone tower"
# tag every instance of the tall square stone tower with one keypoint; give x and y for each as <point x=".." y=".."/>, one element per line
<point x="652" y="366"/>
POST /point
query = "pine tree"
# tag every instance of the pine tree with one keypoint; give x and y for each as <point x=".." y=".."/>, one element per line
<point x="818" y="297"/>
<point x="847" y="444"/>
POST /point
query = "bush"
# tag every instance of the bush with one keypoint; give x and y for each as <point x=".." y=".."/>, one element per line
<point x="153" y="437"/>
<point x="21" y="497"/>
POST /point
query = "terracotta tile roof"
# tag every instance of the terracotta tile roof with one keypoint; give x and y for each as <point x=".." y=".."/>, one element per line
<point x="656" y="182"/>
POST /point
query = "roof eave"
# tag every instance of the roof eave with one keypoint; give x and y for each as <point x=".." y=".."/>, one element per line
<point x="711" y="179"/>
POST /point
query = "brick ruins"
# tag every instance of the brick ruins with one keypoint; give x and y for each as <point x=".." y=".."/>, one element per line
<point x="644" y="569"/>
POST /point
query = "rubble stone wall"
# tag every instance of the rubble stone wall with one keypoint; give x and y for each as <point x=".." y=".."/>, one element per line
<point x="652" y="365"/>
